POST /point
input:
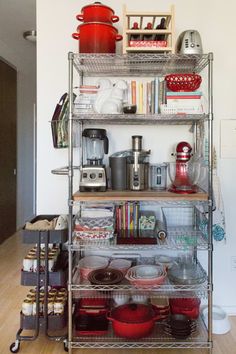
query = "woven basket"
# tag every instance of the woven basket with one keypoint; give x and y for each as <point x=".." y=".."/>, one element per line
<point x="183" y="82"/>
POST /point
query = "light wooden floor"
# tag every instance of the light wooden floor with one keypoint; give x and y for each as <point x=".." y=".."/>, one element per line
<point x="12" y="294"/>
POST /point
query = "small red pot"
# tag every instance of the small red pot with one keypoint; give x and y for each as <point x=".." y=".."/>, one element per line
<point x="97" y="12"/>
<point x="97" y="37"/>
<point x="189" y="307"/>
<point x="133" y="320"/>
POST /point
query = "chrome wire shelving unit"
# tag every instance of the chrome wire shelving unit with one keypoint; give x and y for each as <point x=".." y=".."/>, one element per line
<point x="145" y="65"/>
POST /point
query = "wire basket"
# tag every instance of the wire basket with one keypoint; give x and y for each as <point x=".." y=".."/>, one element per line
<point x="183" y="82"/>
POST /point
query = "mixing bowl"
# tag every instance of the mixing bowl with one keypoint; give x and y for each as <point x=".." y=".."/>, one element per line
<point x="184" y="175"/>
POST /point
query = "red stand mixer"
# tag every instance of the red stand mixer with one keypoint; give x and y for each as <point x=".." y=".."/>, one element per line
<point x="183" y="173"/>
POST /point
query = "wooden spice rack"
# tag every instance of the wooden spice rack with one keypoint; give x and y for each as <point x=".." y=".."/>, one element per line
<point x="154" y="44"/>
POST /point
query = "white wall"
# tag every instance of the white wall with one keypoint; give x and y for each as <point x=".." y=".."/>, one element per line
<point x="56" y="21"/>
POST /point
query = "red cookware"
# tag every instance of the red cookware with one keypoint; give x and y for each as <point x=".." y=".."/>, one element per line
<point x="189" y="307"/>
<point x="133" y="320"/>
<point x="97" y="12"/>
<point x="97" y="37"/>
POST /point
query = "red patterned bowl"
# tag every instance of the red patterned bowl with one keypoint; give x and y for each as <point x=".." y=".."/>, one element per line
<point x="183" y="82"/>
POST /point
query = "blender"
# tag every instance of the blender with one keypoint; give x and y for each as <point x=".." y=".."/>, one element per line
<point x="93" y="171"/>
<point x="183" y="173"/>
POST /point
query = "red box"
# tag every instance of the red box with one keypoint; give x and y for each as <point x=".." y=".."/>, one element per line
<point x="149" y="44"/>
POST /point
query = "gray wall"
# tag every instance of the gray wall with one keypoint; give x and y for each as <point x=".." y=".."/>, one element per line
<point x="25" y="64"/>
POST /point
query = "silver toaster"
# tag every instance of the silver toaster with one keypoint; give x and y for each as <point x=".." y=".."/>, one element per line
<point x="189" y="42"/>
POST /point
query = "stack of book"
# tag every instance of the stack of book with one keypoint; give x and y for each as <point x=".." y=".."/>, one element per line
<point x="182" y="103"/>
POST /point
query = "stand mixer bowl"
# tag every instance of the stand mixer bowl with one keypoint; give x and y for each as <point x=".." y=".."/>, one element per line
<point x="184" y="176"/>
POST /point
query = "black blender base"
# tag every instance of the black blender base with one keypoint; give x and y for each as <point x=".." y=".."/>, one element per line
<point x="92" y="189"/>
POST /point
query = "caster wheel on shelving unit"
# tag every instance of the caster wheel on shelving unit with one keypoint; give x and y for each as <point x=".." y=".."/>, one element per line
<point x="66" y="347"/>
<point x="15" y="347"/>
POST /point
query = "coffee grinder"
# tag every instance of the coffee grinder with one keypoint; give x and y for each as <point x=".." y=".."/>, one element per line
<point x="138" y="166"/>
<point x="183" y="173"/>
<point x="93" y="171"/>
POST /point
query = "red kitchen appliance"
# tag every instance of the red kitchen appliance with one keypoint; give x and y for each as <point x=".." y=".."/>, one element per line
<point x="183" y="173"/>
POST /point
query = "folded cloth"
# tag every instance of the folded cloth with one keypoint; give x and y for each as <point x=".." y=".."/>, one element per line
<point x="40" y="225"/>
<point x="97" y="210"/>
<point x="61" y="222"/>
<point x="218" y="215"/>
<point x="92" y="224"/>
<point x="218" y="228"/>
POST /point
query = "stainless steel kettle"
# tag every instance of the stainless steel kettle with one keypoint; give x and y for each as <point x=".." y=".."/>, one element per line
<point x="189" y="42"/>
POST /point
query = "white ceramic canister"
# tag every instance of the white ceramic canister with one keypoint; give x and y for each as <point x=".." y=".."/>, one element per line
<point x="28" y="263"/>
<point x="58" y="307"/>
<point x="27" y="307"/>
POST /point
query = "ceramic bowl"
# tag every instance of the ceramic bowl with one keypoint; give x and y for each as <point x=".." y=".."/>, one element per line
<point x="220" y="320"/>
<point x="122" y="264"/>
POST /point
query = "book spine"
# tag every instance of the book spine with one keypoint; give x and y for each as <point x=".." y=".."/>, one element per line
<point x="152" y="97"/>
<point x="156" y="104"/>
<point x="133" y="92"/>
<point x="148" y="105"/>
<point x="126" y="216"/>
<point x="140" y="98"/>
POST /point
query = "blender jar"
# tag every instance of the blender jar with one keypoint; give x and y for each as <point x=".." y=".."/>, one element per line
<point x="95" y="145"/>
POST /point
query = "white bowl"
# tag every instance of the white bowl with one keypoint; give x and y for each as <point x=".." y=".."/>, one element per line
<point x="147" y="271"/>
<point x="120" y="299"/>
<point x="220" y="320"/>
<point x="140" y="299"/>
<point x="94" y="262"/>
<point x="120" y="263"/>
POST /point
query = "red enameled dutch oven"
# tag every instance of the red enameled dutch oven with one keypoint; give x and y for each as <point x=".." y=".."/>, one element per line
<point x="97" y="37"/>
<point x="97" y="12"/>
<point x="133" y="320"/>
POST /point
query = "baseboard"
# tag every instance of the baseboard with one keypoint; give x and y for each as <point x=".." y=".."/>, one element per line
<point x="230" y="310"/>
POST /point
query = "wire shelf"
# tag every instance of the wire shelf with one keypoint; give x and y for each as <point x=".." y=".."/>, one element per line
<point x="180" y="237"/>
<point x="157" y="339"/>
<point x="165" y="290"/>
<point x="138" y="64"/>
<point x="141" y="119"/>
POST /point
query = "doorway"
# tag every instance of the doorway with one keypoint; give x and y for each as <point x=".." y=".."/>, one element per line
<point x="8" y="159"/>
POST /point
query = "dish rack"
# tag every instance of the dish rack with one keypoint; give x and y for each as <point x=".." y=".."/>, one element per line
<point x="182" y="237"/>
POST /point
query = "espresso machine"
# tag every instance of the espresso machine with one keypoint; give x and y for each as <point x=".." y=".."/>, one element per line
<point x="138" y="166"/>
<point x="183" y="173"/>
<point x="93" y="172"/>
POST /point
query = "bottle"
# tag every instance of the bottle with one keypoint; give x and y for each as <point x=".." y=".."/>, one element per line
<point x="148" y="37"/>
<point x="162" y="25"/>
<point x="135" y="37"/>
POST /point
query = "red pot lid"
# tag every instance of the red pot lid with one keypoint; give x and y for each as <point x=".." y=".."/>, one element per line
<point x="132" y="313"/>
<point x="97" y="4"/>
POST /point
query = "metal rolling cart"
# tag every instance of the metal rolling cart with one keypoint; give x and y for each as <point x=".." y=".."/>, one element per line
<point x="142" y="64"/>
<point x="41" y="321"/>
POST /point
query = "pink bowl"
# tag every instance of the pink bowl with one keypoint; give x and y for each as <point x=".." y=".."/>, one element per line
<point x="144" y="283"/>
